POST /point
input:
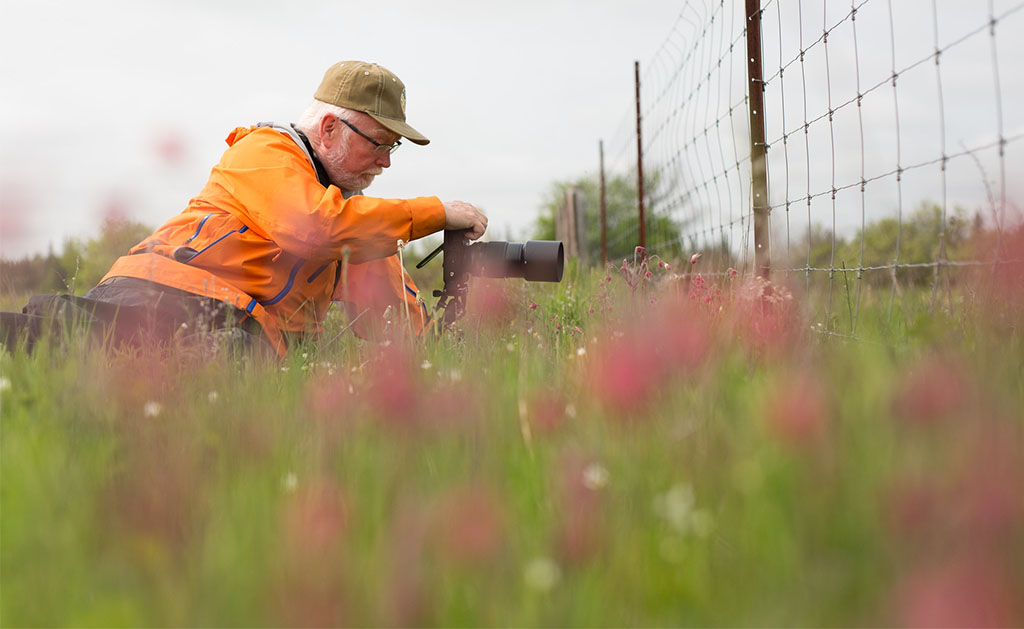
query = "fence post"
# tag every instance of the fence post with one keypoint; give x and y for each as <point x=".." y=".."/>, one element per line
<point x="758" y="150"/>
<point x="639" y="160"/>
<point x="570" y="225"/>
<point x="604" y="209"/>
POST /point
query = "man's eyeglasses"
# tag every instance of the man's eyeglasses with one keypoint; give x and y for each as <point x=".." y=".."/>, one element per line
<point x="378" y="147"/>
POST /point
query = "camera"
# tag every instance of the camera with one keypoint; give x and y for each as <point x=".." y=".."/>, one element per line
<point x="533" y="261"/>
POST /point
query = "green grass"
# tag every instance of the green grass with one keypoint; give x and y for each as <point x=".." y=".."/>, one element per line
<point x="505" y="475"/>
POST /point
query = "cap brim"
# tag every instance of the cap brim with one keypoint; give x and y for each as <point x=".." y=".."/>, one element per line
<point x="401" y="128"/>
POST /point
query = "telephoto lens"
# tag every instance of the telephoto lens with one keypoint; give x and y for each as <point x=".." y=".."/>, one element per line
<point x="534" y="260"/>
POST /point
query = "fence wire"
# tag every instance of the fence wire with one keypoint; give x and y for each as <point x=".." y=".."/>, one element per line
<point x="888" y="134"/>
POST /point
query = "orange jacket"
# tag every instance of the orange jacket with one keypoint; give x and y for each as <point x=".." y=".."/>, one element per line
<point x="265" y="236"/>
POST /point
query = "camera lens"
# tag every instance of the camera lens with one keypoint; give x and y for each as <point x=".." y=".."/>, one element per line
<point x="534" y="260"/>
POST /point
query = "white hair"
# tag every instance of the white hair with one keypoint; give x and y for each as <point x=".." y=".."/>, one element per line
<point x="309" y="121"/>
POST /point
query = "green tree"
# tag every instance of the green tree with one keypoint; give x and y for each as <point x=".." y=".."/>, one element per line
<point x="117" y="236"/>
<point x="919" y="238"/>
<point x="663" y="230"/>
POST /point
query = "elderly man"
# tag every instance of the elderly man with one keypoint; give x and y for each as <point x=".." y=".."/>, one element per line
<point x="281" y="228"/>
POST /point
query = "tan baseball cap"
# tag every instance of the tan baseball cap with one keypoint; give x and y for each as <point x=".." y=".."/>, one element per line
<point x="371" y="89"/>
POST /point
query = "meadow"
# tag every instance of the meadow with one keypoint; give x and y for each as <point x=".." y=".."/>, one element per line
<point x="614" y="450"/>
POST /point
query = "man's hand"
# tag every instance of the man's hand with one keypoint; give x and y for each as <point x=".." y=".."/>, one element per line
<point x="462" y="215"/>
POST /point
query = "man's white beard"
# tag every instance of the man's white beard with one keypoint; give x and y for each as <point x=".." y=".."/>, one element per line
<point x="348" y="182"/>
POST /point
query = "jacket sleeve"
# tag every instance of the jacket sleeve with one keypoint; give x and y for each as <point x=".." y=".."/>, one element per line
<point x="267" y="182"/>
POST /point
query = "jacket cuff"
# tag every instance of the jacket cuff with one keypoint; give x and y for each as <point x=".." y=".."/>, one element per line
<point x="427" y="216"/>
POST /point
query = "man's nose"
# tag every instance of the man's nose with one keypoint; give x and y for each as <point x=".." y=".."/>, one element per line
<point x="383" y="160"/>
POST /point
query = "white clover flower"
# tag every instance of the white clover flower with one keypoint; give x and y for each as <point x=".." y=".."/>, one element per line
<point x="151" y="409"/>
<point x="290" y="482"/>
<point x="595" y="477"/>
<point x="542" y="574"/>
<point x="676" y="506"/>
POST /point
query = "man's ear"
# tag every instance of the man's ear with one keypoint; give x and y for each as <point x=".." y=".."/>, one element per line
<point x="328" y="130"/>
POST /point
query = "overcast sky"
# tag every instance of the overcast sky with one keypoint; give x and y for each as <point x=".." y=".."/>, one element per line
<point x="111" y="105"/>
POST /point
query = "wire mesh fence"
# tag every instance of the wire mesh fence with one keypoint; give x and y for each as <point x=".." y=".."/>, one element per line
<point x="892" y="138"/>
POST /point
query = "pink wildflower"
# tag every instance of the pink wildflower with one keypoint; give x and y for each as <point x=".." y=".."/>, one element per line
<point x="533" y="305"/>
<point x="733" y="272"/>
<point x="797" y="411"/>
<point x="469" y="525"/>
<point x="933" y="390"/>
<point x="695" y="257"/>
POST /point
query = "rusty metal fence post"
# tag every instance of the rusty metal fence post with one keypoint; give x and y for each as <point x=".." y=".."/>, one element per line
<point x="604" y="209"/>
<point x="639" y="159"/>
<point x="570" y="226"/>
<point x="758" y="148"/>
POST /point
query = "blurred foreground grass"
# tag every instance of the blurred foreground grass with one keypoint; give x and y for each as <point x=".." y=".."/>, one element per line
<point x="584" y="454"/>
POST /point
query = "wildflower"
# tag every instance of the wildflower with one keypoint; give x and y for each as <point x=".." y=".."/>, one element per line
<point x="581" y="532"/>
<point x="533" y="305"/>
<point x="733" y="272"/>
<point x="607" y="278"/>
<point x="667" y="267"/>
<point x="151" y="409"/>
<point x="591" y="310"/>
<point x="470" y="525"/>
<point x="797" y="410"/>
<point x="290" y="482"/>
<point x="962" y="592"/>
<point x="676" y="506"/>
<point x="595" y="476"/>
<point x="314" y="519"/>
<point x="581" y="351"/>
<point x="284" y="369"/>
<point x="647" y="275"/>
<point x="4" y="383"/>
<point x="935" y="389"/>
<point x="426" y="364"/>
<point x="212" y="396"/>
<point x="695" y="257"/>
<point x="542" y="574"/>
